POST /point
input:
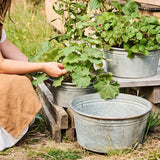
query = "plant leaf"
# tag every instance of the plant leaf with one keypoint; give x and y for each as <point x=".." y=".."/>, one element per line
<point x="158" y="38"/>
<point x="58" y="11"/>
<point x="58" y="81"/>
<point x="106" y="89"/>
<point x="66" y="51"/>
<point x="126" y="46"/>
<point x="71" y="58"/>
<point x="135" y="48"/>
<point x="158" y="29"/>
<point x="82" y="70"/>
<point x="44" y="47"/>
<point x="93" y="52"/>
<point x="94" y="4"/>
<point x="39" y="78"/>
<point x="131" y="9"/>
<point x="81" y="80"/>
<point x="95" y="60"/>
<point x="70" y="67"/>
<point x="125" y="39"/>
<point x="152" y="19"/>
<point x="139" y="36"/>
<point x="117" y="5"/>
<point x="144" y="29"/>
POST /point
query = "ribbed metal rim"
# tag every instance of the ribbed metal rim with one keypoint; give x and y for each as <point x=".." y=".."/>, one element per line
<point x="124" y="52"/>
<point x="115" y="119"/>
<point x="66" y="83"/>
<point x="122" y="49"/>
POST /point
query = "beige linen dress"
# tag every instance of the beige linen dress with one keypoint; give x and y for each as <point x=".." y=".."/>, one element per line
<point x="19" y="104"/>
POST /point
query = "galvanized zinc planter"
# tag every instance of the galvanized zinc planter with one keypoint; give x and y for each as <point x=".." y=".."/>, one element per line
<point x="65" y="93"/>
<point x="102" y="125"/>
<point x="140" y="66"/>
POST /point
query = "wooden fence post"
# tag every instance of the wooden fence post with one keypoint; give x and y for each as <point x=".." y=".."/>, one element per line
<point x="17" y="2"/>
<point x="51" y="15"/>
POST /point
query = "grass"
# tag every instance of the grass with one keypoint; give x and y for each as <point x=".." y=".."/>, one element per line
<point x="61" y="155"/>
<point x="30" y="28"/>
<point x="153" y="121"/>
<point x="53" y="152"/>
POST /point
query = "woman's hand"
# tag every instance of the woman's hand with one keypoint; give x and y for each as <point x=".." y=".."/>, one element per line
<point x="54" y="69"/>
<point x="15" y="62"/>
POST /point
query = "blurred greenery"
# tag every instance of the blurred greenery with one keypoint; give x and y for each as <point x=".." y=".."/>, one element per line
<point x="153" y="121"/>
<point x="29" y="29"/>
<point x="35" y="2"/>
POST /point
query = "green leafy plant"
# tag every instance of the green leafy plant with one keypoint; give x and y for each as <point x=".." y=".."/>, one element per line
<point x="153" y="121"/>
<point x="124" y="28"/>
<point x="101" y="5"/>
<point x="78" y="51"/>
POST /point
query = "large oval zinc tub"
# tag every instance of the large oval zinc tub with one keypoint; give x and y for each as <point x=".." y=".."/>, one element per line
<point x="102" y="125"/>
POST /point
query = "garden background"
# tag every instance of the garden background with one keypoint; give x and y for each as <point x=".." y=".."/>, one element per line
<point x="29" y="30"/>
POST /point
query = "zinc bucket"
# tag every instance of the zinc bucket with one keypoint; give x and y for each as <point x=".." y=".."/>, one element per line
<point x="140" y="66"/>
<point x="102" y="125"/>
<point x="65" y="93"/>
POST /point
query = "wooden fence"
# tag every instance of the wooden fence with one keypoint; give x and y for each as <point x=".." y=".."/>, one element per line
<point x="15" y="3"/>
<point x="51" y="15"/>
<point x="152" y="2"/>
<point x="149" y="7"/>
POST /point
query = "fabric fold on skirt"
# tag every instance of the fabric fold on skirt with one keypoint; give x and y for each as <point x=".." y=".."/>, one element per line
<point x="19" y="103"/>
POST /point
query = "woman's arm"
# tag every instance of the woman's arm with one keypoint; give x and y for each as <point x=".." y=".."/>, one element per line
<point x="13" y="61"/>
<point x="10" y="51"/>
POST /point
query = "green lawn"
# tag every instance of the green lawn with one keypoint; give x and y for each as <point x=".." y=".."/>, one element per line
<point x="30" y="28"/>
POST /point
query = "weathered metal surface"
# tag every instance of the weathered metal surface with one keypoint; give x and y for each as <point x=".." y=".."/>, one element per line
<point x="140" y="66"/>
<point x="64" y="94"/>
<point x="102" y="125"/>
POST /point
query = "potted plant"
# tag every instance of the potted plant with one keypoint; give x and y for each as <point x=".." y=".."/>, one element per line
<point x="129" y="40"/>
<point x="80" y="54"/>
